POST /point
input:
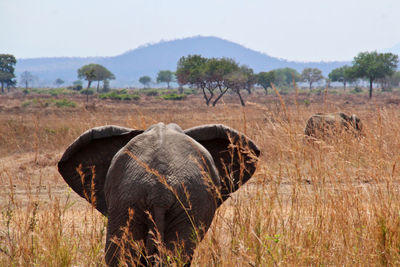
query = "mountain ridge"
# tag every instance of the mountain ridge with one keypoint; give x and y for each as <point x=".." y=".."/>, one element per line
<point x="148" y="59"/>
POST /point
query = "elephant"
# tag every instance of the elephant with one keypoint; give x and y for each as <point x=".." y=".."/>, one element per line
<point x="159" y="186"/>
<point x="322" y="125"/>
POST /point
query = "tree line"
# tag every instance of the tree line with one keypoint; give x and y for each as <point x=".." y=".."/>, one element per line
<point x="215" y="77"/>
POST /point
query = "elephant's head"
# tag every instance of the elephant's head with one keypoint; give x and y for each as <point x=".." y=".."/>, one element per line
<point x="113" y="168"/>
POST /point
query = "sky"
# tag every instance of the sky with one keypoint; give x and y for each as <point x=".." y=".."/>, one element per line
<point x="306" y="30"/>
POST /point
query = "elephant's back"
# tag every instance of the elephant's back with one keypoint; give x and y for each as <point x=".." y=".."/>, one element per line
<point x="161" y="166"/>
<point x="321" y="122"/>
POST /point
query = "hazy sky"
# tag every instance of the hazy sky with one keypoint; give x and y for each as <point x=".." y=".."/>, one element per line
<point x="306" y="30"/>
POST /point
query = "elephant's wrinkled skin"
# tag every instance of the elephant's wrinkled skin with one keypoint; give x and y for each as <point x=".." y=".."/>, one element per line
<point x="162" y="180"/>
<point x="322" y="125"/>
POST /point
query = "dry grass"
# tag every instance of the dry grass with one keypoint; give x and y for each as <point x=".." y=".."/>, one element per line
<point x="335" y="203"/>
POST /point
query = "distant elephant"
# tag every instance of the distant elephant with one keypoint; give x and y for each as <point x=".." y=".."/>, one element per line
<point x="322" y="125"/>
<point x="162" y="180"/>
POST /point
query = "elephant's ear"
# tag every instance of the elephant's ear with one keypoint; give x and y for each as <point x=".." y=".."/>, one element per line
<point x="85" y="163"/>
<point x="234" y="154"/>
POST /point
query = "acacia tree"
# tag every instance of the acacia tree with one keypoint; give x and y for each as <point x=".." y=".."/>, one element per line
<point x="26" y="78"/>
<point x="94" y="72"/>
<point x="250" y="77"/>
<point x="265" y="79"/>
<point x="190" y="70"/>
<point x="165" y="76"/>
<point x="214" y="76"/>
<point x="216" y="71"/>
<point x="343" y="74"/>
<point x="239" y="79"/>
<point x="373" y="66"/>
<point x="145" y="80"/>
<point x="7" y="64"/>
<point x="285" y="76"/>
<point x="311" y="75"/>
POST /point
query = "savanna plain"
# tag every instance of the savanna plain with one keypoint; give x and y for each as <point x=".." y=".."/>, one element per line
<point x="328" y="203"/>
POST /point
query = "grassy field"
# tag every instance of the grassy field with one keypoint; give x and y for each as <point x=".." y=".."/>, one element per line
<point x="330" y="203"/>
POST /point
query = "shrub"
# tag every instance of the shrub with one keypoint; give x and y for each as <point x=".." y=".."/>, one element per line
<point x="150" y="92"/>
<point x="65" y="103"/>
<point x="189" y="91"/>
<point x="173" y="96"/>
<point x="77" y="87"/>
<point x="87" y="92"/>
<point x="356" y="90"/>
<point x="119" y="95"/>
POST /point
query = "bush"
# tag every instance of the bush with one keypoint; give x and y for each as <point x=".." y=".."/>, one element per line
<point x="87" y="91"/>
<point x="77" y="87"/>
<point x="173" y="96"/>
<point x="189" y="91"/>
<point x="119" y="95"/>
<point x="150" y="92"/>
<point x="356" y="90"/>
<point x="65" y="103"/>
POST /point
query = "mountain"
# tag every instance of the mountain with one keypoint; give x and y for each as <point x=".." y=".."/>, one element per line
<point x="149" y="59"/>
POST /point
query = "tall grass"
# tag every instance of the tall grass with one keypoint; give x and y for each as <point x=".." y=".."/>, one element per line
<point x="330" y="203"/>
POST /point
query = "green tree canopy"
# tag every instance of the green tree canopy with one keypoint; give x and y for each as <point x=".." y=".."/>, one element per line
<point x="26" y="78"/>
<point x="59" y="81"/>
<point x="7" y="67"/>
<point x="165" y="76"/>
<point x="250" y="76"/>
<point x="343" y="74"/>
<point x="145" y="80"/>
<point x="213" y="75"/>
<point x="190" y="70"/>
<point x="95" y="72"/>
<point x="285" y="76"/>
<point x="265" y="79"/>
<point x="373" y="66"/>
<point x="238" y="79"/>
<point x="311" y="75"/>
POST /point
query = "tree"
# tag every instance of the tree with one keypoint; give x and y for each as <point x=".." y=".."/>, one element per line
<point x="239" y="79"/>
<point x="7" y="64"/>
<point x="394" y="80"/>
<point x="94" y="72"/>
<point x="265" y="79"/>
<point x="213" y="76"/>
<point x="26" y="78"/>
<point x="165" y="76"/>
<point x="59" y="81"/>
<point x="343" y="74"/>
<point x="145" y="80"/>
<point x="311" y="75"/>
<point x="103" y="75"/>
<point x="251" y="78"/>
<point x="374" y="65"/>
<point x="216" y="71"/>
<point x="190" y="70"/>
<point x="285" y="76"/>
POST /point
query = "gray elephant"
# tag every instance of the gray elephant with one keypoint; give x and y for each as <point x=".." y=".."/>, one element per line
<point x="162" y="182"/>
<point x="322" y="125"/>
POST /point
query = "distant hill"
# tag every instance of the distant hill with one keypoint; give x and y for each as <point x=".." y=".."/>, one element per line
<point x="149" y="59"/>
